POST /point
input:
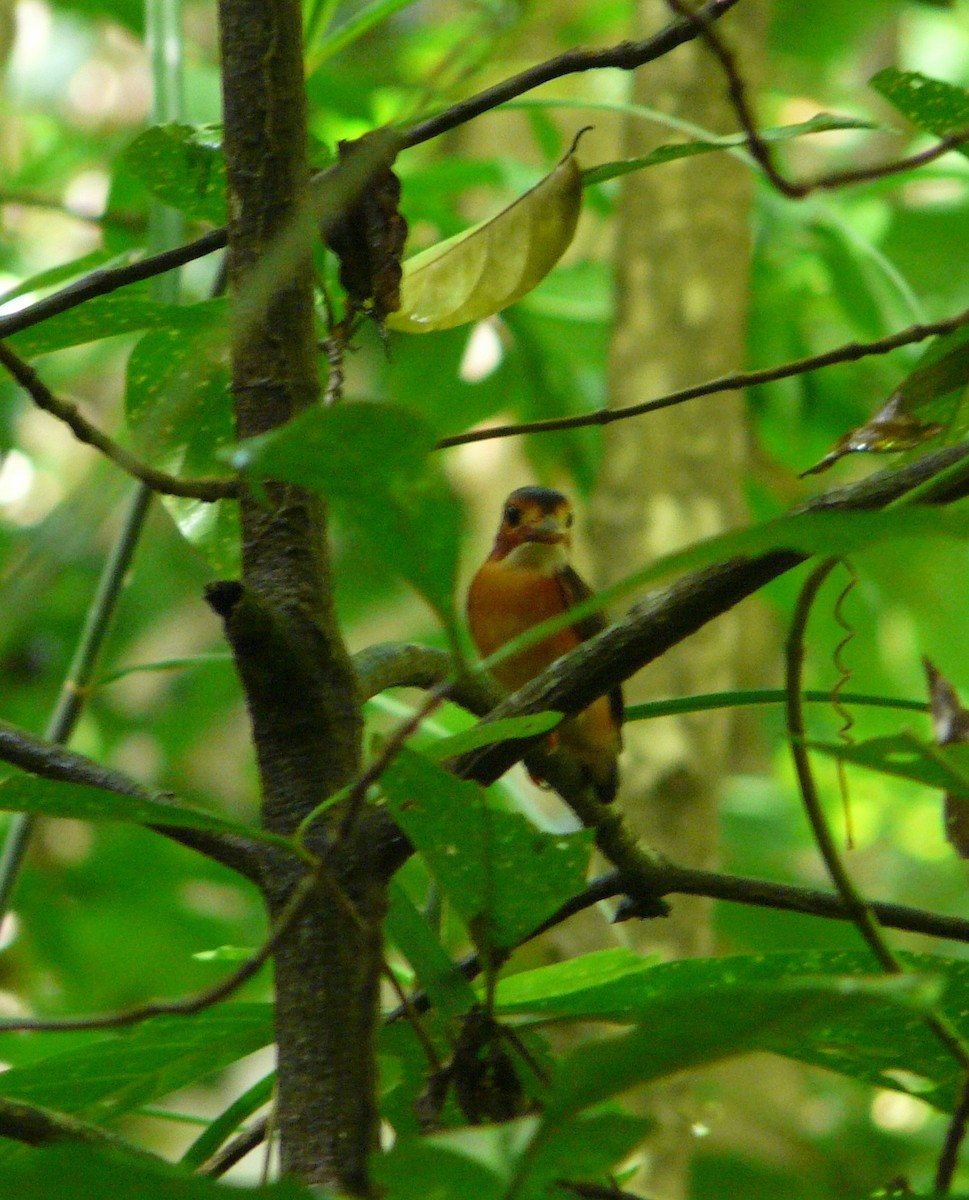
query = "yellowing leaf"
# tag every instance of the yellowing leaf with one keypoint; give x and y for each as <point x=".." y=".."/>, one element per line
<point x="491" y="265"/>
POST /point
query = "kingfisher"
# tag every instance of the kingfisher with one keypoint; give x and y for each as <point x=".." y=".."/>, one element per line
<point x="526" y="579"/>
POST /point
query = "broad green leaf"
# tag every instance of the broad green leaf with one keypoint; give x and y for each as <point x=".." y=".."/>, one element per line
<point x="585" y="1146"/>
<point x="931" y="105"/>
<point x="411" y="933"/>
<point x="492" y="1161"/>
<point x="94" y="261"/>
<point x="85" y="1173"/>
<point x="486" y="268"/>
<point x="503" y="876"/>
<point x="372" y="461"/>
<point x="23" y="792"/>
<point x="908" y="757"/>
<point x="182" y="166"/>
<point x="506" y="729"/>
<point x="98" y="318"/>
<point x="822" y="123"/>
<point x="706" y="1026"/>
<point x="873" y="1043"/>
<point x="106" y="1079"/>
<point x="464" y="1162"/>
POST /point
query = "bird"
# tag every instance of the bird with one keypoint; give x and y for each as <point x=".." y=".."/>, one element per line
<point x="526" y="579"/>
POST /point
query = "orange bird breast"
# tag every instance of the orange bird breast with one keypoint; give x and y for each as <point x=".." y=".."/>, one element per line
<point x="505" y="599"/>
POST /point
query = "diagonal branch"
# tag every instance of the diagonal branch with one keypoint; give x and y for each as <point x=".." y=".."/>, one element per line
<point x="52" y="761"/>
<point x="90" y="435"/>
<point x="758" y="147"/>
<point x="626" y="56"/>
<point x="850" y="352"/>
<point x="667" y="616"/>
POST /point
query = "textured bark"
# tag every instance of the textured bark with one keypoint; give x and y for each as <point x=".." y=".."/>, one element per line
<point x="299" y="684"/>
<point x="675" y="476"/>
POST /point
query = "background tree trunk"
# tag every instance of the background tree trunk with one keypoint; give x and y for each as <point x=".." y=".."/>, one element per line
<point x="682" y="253"/>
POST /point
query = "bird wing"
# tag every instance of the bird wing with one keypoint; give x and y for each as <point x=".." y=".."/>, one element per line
<point x="574" y="591"/>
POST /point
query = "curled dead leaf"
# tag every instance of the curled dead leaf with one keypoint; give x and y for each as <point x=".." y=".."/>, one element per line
<point x="484" y="269"/>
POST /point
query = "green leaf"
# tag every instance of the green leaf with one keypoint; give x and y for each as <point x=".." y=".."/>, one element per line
<point x="722" y="1022"/>
<point x="908" y="757"/>
<point x="504" y="877"/>
<point x="507" y="729"/>
<point x="586" y="1146"/>
<point x="23" y="792"/>
<point x="65" y="271"/>
<point x="372" y="461"/>
<point x="606" y="985"/>
<point x="492" y="1161"/>
<point x="351" y="30"/>
<point x="411" y="933"/>
<point x="484" y="269"/>
<point x="98" y="318"/>
<point x="228" y="1121"/>
<point x="84" y="1173"/>
<point x="931" y="105"/>
<point x="464" y="1162"/>
<point x="179" y="409"/>
<point x="106" y="1079"/>
<point x="874" y="1042"/>
<point x="182" y="166"/>
<point x="822" y="123"/>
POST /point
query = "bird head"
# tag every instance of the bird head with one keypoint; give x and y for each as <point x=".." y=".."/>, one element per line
<point x="534" y="516"/>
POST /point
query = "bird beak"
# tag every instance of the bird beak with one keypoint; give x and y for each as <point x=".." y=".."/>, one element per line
<point x="550" y="529"/>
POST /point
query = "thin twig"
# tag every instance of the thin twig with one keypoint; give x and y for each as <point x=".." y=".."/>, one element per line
<point x="158" y="481"/>
<point x="236" y="1150"/>
<point x="850" y="352"/>
<point x="761" y="151"/>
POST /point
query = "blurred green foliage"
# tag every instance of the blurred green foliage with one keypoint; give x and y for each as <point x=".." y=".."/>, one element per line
<point x="107" y="915"/>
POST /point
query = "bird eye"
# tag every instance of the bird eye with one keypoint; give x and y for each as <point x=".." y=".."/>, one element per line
<point x="512" y="516"/>
<point x="568" y="520"/>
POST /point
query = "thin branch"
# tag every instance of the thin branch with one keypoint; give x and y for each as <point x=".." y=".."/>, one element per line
<point x="37" y="1126"/>
<point x="626" y="56"/>
<point x="850" y="352"/>
<point x="235" y="1151"/>
<point x="949" y="1157"/>
<point x="761" y="151"/>
<point x="158" y="481"/>
<point x="108" y="279"/>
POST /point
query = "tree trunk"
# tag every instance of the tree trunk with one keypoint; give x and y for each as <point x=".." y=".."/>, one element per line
<point x="674" y="476"/>
<point x="299" y="685"/>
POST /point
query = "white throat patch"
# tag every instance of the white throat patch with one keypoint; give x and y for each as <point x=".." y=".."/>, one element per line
<point x="547" y="557"/>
